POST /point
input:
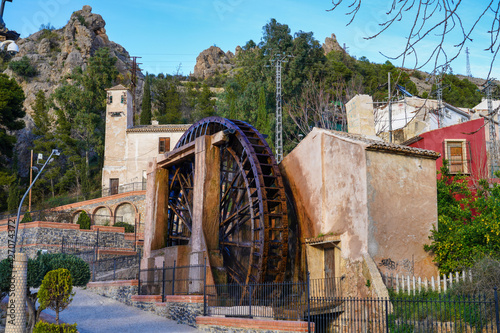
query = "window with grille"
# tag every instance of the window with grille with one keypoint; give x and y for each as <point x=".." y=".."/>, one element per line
<point x="456" y="154"/>
<point x="163" y="145"/>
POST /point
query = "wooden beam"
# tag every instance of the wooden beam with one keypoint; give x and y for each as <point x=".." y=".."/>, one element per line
<point x="177" y="155"/>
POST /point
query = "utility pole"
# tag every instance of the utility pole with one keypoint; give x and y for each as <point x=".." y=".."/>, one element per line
<point x="439" y="92"/>
<point x="133" y="81"/>
<point x="467" y="54"/>
<point x="31" y="179"/>
<point x="390" y="105"/>
<point x="278" y="60"/>
<point x="493" y="130"/>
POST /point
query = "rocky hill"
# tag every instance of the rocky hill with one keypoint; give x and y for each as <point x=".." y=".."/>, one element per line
<point x="56" y="53"/>
<point x="212" y="61"/>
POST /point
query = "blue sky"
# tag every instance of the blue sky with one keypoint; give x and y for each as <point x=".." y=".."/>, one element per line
<point x="169" y="33"/>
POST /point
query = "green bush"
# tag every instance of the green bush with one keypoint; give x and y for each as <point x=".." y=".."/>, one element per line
<point x="26" y="218"/>
<point x="39" y="266"/>
<point x="56" y="291"/>
<point x="78" y="268"/>
<point x="43" y="327"/>
<point x="84" y="220"/>
<point x="128" y="227"/>
<point x="23" y="67"/>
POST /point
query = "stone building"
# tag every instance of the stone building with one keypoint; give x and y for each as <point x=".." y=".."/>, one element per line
<point x="128" y="148"/>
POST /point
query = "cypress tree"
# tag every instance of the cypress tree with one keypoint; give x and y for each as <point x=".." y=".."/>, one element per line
<point x="146" y="103"/>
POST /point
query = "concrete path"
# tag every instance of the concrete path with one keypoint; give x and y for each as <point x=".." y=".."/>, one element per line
<point x="99" y="314"/>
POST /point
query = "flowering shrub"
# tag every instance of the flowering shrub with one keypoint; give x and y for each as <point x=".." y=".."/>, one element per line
<point x="468" y="226"/>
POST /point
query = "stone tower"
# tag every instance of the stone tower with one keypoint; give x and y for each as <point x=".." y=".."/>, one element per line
<point x="119" y="118"/>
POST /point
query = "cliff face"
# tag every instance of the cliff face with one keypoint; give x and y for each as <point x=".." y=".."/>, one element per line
<point x="56" y="53"/>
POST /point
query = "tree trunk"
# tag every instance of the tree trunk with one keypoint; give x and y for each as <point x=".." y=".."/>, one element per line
<point x="76" y="177"/>
<point x="52" y="187"/>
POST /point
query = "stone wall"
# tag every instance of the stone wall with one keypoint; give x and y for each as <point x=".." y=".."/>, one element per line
<point x="35" y="236"/>
<point x="182" y="309"/>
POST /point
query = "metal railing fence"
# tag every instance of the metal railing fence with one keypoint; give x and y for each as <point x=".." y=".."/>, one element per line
<point x="121" y="268"/>
<point x="136" y="186"/>
<point x="172" y="280"/>
<point x="283" y="301"/>
<point x="321" y="302"/>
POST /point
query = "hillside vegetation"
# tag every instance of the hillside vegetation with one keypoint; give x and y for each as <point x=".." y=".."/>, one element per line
<point x="64" y="73"/>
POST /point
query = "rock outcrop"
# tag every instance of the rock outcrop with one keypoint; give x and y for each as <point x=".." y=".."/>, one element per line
<point x="212" y="61"/>
<point x="331" y="44"/>
<point x="56" y="53"/>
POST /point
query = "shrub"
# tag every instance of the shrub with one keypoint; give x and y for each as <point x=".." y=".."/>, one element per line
<point x="84" y="220"/>
<point x="78" y="268"/>
<point x="56" y="291"/>
<point x="38" y="267"/>
<point x="43" y="327"/>
<point x="128" y="227"/>
<point x="23" y="67"/>
<point x="26" y="218"/>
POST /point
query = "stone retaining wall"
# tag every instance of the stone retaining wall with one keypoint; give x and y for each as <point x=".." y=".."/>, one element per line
<point x="182" y="309"/>
<point x="35" y="236"/>
<point x="189" y="310"/>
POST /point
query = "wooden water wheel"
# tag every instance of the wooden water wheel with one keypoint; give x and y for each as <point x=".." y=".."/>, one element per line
<point x="253" y="224"/>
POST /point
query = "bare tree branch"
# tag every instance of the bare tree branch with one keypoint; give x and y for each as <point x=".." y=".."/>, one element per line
<point x="433" y="18"/>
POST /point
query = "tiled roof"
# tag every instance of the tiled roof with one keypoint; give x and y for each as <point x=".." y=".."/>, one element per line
<point x="386" y="146"/>
<point x="159" y="128"/>
<point x="118" y="87"/>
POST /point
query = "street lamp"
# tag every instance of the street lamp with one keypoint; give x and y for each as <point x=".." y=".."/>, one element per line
<point x="54" y="152"/>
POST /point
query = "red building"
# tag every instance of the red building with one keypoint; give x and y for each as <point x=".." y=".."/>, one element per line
<point x="463" y="145"/>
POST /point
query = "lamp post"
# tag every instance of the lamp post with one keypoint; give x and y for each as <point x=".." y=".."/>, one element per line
<point x="54" y="152"/>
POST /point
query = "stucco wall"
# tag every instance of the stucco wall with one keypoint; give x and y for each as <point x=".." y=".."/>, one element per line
<point x="402" y="208"/>
<point x="433" y="140"/>
<point x="363" y="202"/>
<point x="140" y="148"/>
<point x="328" y="180"/>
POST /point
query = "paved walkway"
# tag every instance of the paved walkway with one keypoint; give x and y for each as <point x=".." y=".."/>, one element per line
<point x="99" y="314"/>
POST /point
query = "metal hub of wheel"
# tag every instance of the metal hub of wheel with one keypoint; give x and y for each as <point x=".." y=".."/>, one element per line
<point x="253" y="224"/>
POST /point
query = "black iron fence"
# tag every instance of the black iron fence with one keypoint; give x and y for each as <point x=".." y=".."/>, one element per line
<point x="321" y="302"/>
<point x="118" y="268"/>
<point x="172" y="280"/>
<point x="88" y="249"/>
<point x="282" y="301"/>
<point x="56" y="216"/>
<point x="137" y="186"/>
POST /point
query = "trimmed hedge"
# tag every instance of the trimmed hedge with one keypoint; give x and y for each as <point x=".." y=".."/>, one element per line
<point x="38" y="267"/>
<point x="84" y="221"/>
<point x="128" y="227"/>
<point x="43" y="327"/>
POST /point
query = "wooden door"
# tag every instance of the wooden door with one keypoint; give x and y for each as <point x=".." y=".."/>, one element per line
<point x="113" y="185"/>
<point x="329" y="259"/>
